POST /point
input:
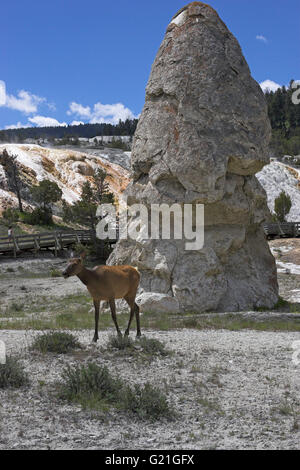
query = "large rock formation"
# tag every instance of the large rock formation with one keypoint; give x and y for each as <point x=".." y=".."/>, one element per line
<point x="202" y="136"/>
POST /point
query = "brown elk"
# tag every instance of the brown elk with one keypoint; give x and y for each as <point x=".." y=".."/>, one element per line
<point x="108" y="283"/>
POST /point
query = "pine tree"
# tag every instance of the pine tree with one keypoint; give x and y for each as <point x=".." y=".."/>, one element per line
<point x="84" y="210"/>
<point x="11" y="167"/>
<point x="282" y="206"/>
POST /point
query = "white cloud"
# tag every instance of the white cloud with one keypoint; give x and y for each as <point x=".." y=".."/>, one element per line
<point x="43" y="121"/>
<point x="26" y="102"/>
<point x="109" y="113"/>
<point x="51" y="106"/>
<point x="2" y="93"/>
<point x="269" y="85"/>
<point x="82" y="111"/>
<point x="262" y="38"/>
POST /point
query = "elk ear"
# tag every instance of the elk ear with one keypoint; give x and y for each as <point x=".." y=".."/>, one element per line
<point x="82" y="254"/>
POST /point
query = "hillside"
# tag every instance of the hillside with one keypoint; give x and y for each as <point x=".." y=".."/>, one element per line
<point x="68" y="168"/>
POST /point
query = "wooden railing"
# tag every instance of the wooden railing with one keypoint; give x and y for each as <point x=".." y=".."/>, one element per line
<point x="282" y="229"/>
<point x="56" y="240"/>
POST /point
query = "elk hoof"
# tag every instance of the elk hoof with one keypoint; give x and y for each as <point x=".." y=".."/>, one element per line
<point x="95" y="339"/>
<point x="126" y="333"/>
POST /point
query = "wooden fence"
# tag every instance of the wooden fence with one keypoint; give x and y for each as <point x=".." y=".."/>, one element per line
<point x="282" y="229"/>
<point x="56" y="241"/>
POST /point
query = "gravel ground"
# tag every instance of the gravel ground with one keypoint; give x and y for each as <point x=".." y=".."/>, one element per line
<point x="14" y="284"/>
<point x="231" y="390"/>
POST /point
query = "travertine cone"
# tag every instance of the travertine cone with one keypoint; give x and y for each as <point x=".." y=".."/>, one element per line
<point x="202" y="136"/>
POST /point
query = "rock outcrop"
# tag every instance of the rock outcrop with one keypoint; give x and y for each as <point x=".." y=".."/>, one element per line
<point x="202" y="135"/>
<point x="277" y="177"/>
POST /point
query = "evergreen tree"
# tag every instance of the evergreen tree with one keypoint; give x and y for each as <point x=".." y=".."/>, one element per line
<point x="46" y="193"/>
<point x="10" y="165"/>
<point x="84" y="211"/>
<point x="282" y="206"/>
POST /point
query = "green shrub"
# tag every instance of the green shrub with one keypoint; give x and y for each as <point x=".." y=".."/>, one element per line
<point x="56" y="342"/>
<point x="12" y="374"/>
<point x="94" y="387"/>
<point x="147" y="402"/>
<point x="118" y="144"/>
<point x="15" y="307"/>
<point x="120" y="342"/>
<point x="89" y="385"/>
<point x="282" y="206"/>
<point x="38" y="216"/>
<point x="153" y="346"/>
<point x="10" y="215"/>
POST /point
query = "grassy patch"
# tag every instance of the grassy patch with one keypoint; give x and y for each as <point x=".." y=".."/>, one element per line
<point x="238" y="322"/>
<point x="93" y="387"/>
<point x="281" y="305"/>
<point x="55" y="342"/>
<point x="147" y="346"/>
<point x="15" y="309"/>
<point x="76" y="311"/>
<point x="146" y="402"/>
<point x="55" y="273"/>
<point x="12" y="374"/>
<point x="120" y="343"/>
<point x="153" y="346"/>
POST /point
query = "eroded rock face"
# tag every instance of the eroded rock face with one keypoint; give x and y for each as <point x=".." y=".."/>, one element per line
<point x="202" y="136"/>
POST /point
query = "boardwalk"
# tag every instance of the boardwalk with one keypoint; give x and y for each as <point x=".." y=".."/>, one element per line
<point x="282" y="229"/>
<point x="56" y="241"/>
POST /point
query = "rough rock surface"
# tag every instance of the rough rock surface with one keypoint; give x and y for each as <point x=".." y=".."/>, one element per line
<point x="153" y="302"/>
<point x="202" y="136"/>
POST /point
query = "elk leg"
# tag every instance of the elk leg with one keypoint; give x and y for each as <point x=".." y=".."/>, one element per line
<point x="131" y="305"/>
<point x="114" y="316"/>
<point x="97" y="306"/>
<point x="137" y="317"/>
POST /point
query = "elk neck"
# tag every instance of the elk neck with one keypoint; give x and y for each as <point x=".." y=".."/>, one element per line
<point x="86" y="275"/>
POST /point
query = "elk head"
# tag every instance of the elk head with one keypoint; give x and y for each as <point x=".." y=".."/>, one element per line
<point x="74" y="267"/>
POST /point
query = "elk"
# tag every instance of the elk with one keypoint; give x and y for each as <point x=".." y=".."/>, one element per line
<point x="108" y="283"/>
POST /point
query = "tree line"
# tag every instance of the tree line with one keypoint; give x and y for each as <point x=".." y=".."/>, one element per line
<point x="285" y="121"/>
<point x="83" y="130"/>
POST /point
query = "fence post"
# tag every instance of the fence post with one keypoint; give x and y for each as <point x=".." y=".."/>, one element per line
<point x="15" y="246"/>
<point x="55" y="244"/>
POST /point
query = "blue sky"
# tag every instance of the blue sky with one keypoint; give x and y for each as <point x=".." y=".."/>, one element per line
<point x="89" y="61"/>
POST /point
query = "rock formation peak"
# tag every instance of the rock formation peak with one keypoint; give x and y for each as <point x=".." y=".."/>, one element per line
<point x="202" y="135"/>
